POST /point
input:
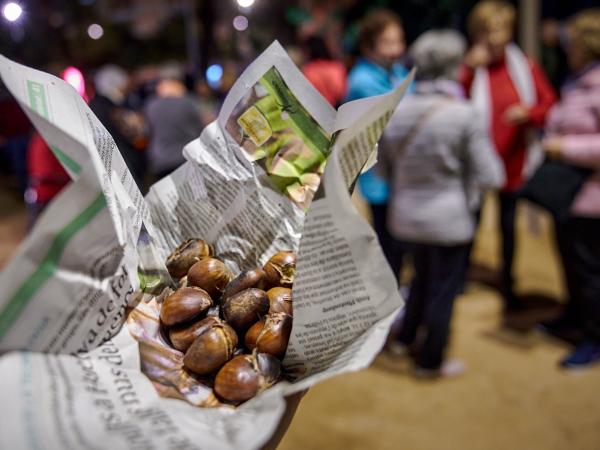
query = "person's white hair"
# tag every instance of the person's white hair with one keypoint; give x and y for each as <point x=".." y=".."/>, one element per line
<point x="172" y="71"/>
<point x="437" y="54"/>
<point x="111" y="81"/>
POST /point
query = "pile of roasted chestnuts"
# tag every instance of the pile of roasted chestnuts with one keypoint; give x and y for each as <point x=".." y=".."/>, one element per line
<point x="233" y="330"/>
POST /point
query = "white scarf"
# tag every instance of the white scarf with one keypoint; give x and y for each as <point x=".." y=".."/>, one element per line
<point x="522" y="78"/>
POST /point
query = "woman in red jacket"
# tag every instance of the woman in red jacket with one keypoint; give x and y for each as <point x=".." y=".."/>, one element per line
<point x="513" y="95"/>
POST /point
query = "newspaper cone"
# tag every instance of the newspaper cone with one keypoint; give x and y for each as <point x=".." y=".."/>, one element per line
<point x="73" y="374"/>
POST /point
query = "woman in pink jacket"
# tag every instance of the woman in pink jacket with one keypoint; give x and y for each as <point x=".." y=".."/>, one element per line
<point x="573" y="136"/>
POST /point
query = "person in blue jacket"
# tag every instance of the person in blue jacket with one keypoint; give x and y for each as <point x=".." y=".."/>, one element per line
<point x="378" y="71"/>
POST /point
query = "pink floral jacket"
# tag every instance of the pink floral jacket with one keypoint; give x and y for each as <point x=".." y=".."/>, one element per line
<point x="576" y="121"/>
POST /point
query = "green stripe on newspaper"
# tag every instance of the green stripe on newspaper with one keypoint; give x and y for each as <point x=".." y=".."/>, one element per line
<point x="38" y="101"/>
<point x="66" y="160"/>
<point x="37" y="98"/>
<point x="47" y="267"/>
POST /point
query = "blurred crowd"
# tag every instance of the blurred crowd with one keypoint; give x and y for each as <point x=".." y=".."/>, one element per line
<point x="481" y="116"/>
<point x="151" y="113"/>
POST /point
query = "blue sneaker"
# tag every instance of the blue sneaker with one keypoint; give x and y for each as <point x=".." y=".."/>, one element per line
<point x="585" y="355"/>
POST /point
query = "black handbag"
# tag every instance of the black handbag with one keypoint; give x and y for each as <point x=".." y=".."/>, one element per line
<point x="554" y="186"/>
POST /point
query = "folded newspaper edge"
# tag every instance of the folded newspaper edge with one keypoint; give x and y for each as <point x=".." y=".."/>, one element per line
<point x="71" y="370"/>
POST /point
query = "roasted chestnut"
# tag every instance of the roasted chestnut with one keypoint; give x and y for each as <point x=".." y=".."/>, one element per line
<point x="245" y="308"/>
<point x="270" y="335"/>
<point x="211" y="275"/>
<point x="248" y="279"/>
<point x="184" y="335"/>
<point x="184" y="304"/>
<point x="186" y="255"/>
<point x="280" y="270"/>
<point x="212" y="348"/>
<point x="280" y="300"/>
<point x="246" y="375"/>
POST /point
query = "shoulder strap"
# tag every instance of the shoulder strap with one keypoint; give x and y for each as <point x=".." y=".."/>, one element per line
<point x="418" y="126"/>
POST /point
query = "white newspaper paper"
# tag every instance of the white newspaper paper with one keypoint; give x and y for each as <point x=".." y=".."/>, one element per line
<point x="273" y="172"/>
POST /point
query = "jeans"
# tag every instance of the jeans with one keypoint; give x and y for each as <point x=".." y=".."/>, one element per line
<point x="439" y="275"/>
<point x="17" y="150"/>
<point x="508" y="210"/>
<point x="579" y="246"/>
<point x="393" y="249"/>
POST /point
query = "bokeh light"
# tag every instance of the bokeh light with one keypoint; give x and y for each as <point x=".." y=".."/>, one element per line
<point x="95" y="31"/>
<point x="214" y="73"/>
<point x="240" y="23"/>
<point x="74" y="77"/>
<point x="245" y="3"/>
<point x="12" y="11"/>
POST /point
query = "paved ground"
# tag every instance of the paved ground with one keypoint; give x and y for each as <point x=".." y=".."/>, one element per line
<point x="512" y="396"/>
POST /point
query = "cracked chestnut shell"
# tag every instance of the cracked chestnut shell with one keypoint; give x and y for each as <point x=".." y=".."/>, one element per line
<point x="186" y="255"/>
<point x="280" y="300"/>
<point x="254" y="278"/>
<point x="246" y="375"/>
<point x="270" y="335"/>
<point x="183" y="336"/>
<point x="211" y="275"/>
<point x="245" y="308"/>
<point x="212" y="348"/>
<point x="184" y="304"/>
<point x="280" y="270"/>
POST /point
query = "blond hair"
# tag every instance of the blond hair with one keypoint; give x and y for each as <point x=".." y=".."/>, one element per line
<point x="487" y="11"/>
<point x="585" y="27"/>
